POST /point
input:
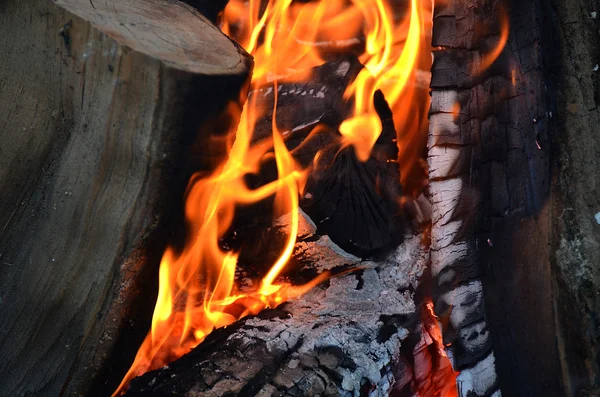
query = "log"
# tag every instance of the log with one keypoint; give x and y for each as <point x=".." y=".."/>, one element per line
<point x="340" y="338"/>
<point x="355" y="203"/>
<point x="464" y="106"/>
<point x="522" y="149"/>
<point x="98" y="100"/>
<point x="569" y="37"/>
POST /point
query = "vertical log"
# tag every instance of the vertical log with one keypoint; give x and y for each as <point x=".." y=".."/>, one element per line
<point x="572" y="51"/>
<point x="522" y="154"/>
<point x="97" y="100"/>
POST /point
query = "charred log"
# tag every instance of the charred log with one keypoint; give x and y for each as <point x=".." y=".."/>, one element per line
<point x="517" y="123"/>
<point x="340" y="338"/>
<point x="99" y="99"/>
<point x="355" y="203"/>
<point x="303" y="105"/>
<point x="464" y="100"/>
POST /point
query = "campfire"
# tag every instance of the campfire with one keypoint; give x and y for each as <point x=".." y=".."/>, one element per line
<point x="286" y="197"/>
<point x="332" y="83"/>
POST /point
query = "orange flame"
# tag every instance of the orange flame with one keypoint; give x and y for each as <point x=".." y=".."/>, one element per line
<point x="197" y="290"/>
<point x="488" y="59"/>
<point x="441" y="381"/>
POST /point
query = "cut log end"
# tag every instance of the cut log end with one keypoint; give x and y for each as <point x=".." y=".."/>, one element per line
<point x="170" y="31"/>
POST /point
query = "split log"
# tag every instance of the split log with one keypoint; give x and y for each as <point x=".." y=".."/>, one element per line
<point x="464" y="101"/>
<point x="341" y="338"/>
<point x="98" y="100"/>
<point x="522" y="149"/>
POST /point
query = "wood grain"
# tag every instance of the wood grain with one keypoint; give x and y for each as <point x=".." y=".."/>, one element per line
<point x="518" y="145"/>
<point x="95" y="107"/>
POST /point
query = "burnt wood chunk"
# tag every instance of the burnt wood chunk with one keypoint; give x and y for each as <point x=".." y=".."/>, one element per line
<point x="466" y="104"/>
<point x="341" y="338"/>
<point x="301" y="105"/>
<point x="97" y="100"/>
<point x="355" y="203"/>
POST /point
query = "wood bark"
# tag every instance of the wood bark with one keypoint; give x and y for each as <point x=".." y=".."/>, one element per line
<point x="97" y="101"/>
<point x="463" y="111"/>
<point x="571" y="41"/>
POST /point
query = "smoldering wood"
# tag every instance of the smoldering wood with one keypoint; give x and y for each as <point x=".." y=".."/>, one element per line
<point x="301" y="105"/>
<point x="98" y="100"/>
<point x="355" y="203"/>
<point x="464" y="106"/>
<point x="522" y="131"/>
<point x="341" y="338"/>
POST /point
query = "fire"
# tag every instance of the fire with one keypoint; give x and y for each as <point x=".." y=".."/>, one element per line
<point x="197" y="289"/>
<point x="441" y="381"/>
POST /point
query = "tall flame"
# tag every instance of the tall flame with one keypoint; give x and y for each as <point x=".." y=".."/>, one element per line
<point x="197" y="290"/>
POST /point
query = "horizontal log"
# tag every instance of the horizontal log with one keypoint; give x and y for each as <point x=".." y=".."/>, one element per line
<point x="340" y="338"/>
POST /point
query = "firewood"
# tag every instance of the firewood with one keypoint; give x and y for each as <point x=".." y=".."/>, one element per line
<point x="355" y="203"/>
<point x="341" y="338"/>
<point x="98" y="99"/>
<point x="491" y="149"/>
<point x="457" y="288"/>
<point x="302" y="105"/>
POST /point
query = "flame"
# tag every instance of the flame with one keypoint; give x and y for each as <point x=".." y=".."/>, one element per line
<point x="197" y="289"/>
<point x="441" y="380"/>
<point x="488" y="59"/>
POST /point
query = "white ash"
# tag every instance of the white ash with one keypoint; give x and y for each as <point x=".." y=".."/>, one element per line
<point x="346" y="315"/>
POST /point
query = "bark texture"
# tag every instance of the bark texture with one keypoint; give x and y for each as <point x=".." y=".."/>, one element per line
<point x="571" y="40"/>
<point x="97" y="100"/>
<point x="464" y="111"/>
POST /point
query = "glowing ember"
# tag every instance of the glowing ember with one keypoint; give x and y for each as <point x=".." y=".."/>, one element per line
<point x="197" y="290"/>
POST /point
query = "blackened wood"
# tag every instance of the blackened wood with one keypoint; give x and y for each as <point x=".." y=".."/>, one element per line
<point x="97" y="100"/>
<point x="301" y="105"/>
<point x="340" y="338"/>
<point x="355" y="203"/>
<point x="534" y="230"/>
<point x="464" y="111"/>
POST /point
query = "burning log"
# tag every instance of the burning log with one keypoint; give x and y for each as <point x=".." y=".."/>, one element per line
<point x="465" y="92"/>
<point x="355" y="203"/>
<point x="505" y="172"/>
<point x="340" y="338"/>
<point x="99" y="99"/>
